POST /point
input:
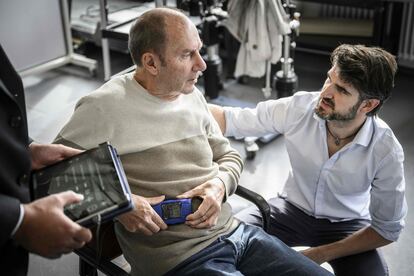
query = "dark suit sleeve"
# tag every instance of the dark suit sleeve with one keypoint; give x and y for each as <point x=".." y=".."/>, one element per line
<point x="14" y="153"/>
<point x="10" y="212"/>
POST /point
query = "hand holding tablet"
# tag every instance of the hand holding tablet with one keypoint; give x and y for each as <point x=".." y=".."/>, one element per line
<point x="97" y="174"/>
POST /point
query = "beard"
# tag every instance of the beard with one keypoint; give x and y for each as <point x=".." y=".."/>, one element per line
<point x="336" y="116"/>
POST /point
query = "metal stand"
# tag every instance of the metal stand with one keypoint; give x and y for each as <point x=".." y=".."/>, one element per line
<point x="76" y="59"/>
<point x="267" y="90"/>
<point x="70" y="58"/>
<point x="286" y="80"/>
<point x="210" y="13"/>
<point x="212" y="75"/>
<point x="251" y="146"/>
<point x="103" y="8"/>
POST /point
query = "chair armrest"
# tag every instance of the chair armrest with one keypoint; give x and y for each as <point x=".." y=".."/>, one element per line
<point x="88" y="264"/>
<point x="90" y="259"/>
<point x="259" y="201"/>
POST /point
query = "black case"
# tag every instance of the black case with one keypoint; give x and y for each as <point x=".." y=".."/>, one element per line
<point x="97" y="174"/>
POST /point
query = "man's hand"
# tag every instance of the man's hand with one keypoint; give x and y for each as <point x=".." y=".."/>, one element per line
<point x="363" y="240"/>
<point x="315" y="254"/>
<point x="47" y="154"/>
<point x="212" y="193"/>
<point x="47" y="231"/>
<point x="218" y="114"/>
<point x="143" y="218"/>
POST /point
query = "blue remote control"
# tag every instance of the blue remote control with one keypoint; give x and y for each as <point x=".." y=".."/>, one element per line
<point x="174" y="211"/>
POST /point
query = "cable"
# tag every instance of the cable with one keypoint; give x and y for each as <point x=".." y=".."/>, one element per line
<point x="98" y="242"/>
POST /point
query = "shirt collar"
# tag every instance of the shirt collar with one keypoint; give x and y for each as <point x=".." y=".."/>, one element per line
<point x="364" y="134"/>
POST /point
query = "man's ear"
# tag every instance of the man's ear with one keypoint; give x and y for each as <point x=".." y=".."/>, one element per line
<point x="151" y="63"/>
<point x="369" y="104"/>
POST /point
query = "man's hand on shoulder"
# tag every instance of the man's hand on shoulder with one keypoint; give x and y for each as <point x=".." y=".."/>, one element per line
<point x="143" y="217"/>
<point x="47" y="231"/>
<point x="212" y="192"/>
<point x="47" y="154"/>
<point x="219" y="116"/>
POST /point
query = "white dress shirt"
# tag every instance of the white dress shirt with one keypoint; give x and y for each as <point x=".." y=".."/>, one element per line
<point x="363" y="180"/>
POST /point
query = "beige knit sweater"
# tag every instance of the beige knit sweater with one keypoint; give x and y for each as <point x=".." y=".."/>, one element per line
<point x="166" y="148"/>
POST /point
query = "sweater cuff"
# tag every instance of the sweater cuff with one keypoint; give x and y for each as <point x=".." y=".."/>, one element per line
<point x="229" y="188"/>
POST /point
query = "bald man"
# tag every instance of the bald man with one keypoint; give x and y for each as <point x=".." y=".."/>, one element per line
<point x="171" y="147"/>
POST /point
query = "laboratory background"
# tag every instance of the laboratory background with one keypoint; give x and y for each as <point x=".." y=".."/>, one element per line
<point x="65" y="49"/>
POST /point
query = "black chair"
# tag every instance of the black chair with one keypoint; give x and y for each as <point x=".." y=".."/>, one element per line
<point x="99" y="253"/>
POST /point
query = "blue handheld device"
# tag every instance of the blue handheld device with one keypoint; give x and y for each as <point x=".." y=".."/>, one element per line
<point x="174" y="211"/>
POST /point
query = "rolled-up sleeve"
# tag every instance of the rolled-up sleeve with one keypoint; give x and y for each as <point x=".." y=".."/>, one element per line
<point x="388" y="206"/>
<point x="271" y="116"/>
<point x="267" y="117"/>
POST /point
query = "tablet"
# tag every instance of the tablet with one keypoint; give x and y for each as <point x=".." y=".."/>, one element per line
<point x="97" y="174"/>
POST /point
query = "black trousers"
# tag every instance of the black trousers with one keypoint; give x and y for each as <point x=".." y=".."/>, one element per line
<point x="296" y="228"/>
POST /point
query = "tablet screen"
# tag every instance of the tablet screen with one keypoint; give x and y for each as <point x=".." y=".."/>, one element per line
<point x="92" y="174"/>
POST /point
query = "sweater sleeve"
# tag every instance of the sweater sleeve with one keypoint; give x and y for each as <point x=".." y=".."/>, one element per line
<point x="86" y="128"/>
<point x="228" y="159"/>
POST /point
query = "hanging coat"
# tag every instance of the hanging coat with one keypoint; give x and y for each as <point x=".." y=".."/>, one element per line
<point x="259" y="26"/>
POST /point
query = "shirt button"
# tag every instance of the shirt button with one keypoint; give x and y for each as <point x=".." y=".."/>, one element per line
<point x="23" y="180"/>
<point x="16" y="121"/>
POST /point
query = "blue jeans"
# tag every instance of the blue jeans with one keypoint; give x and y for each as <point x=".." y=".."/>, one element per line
<point x="248" y="250"/>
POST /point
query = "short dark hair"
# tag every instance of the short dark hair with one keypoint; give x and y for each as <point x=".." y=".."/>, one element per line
<point x="370" y="70"/>
<point x="147" y="34"/>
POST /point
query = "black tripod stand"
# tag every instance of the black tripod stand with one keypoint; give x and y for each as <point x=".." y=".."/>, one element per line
<point x="211" y="14"/>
